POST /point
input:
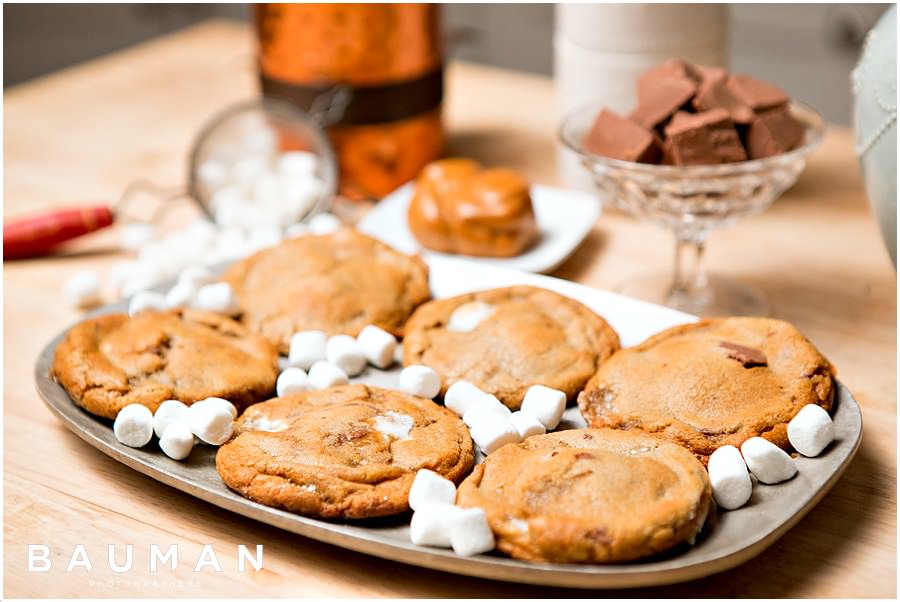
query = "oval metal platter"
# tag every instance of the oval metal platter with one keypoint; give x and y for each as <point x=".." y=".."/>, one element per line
<point x="728" y="539"/>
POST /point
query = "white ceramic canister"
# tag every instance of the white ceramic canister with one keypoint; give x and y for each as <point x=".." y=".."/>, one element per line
<point x="600" y="50"/>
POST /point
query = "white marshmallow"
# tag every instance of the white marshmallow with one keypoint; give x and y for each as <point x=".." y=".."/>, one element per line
<point x="82" y="289"/>
<point x="180" y="295"/>
<point x="484" y="409"/>
<point x="461" y="395"/>
<point x="767" y="461"/>
<point x="133" y="425"/>
<point x="344" y="352"/>
<point x="134" y="236"/>
<point x="730" y="480"/>
<point x="292" y="380"/>
<point x="297" y="163"/>
<point x="307" y="348"/>
<point x="146" y="300"/>
<point x="177" y="441"/>
<point x="420" y="380"/>
<point x="323" y="223"/>
<point x="470" y="532"/>
<point x="811" y="430"/>
<point x="262" y="237"/>
<point x="248" y="170"/>
<point x="168" y="413"/>
<point x="267" y="190"/>
<point x="226" y="199"/>
<point x="545" y="404"/>
<point x="468" y="316"/>
<point x="221" y="403"/>
<point x="324" y="374"/>
<point x="431" y="525"/>
<point x="213" y="174"/>
<point x="218" y="297"/>
<point x="526" y="424"/>
<point x="377" y="345"/>
<point x="212" y="423"/>
<point x="296" y="230"/>
<point x="492" y="431"/>
<point x="260" y="141"/>
<point x="394" y="424"/>
<point x="431" y="488"/>
<point x="196" y="276"/>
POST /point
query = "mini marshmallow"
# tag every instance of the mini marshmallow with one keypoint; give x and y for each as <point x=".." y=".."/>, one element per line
<point x="292" y="380"/>
<point x="545" y="404"/>
<point x="168" y="413"/>
<point x="324" y="374"/>
<point x="811" y="430"/>
<point x="180" y="295"/>
<point x="221" y="403"/>
<point x="296" y="230"/>
<point x="323" y="223"/>
<point x="196" y="276"/>
<point x="307" y="348"/>
<point x="487" y="407"/>
<point x="420" y="380"/>
<point x="344" y="352"/>
<point x="431" y="525"/>
<point x="431" y="488"/>
<point x="377" y="345"/>
<point x="470" y="532"/>
<point x="218" y="297"/>
<point x="493" y="431"/>
<point x="134" y="425"/>
<point x="212" y="423"/>
<point x="146" y="300"/>
<point x="261" y="140"/>
<point x="468" y="316"/>
<point x="213" y="174"/>
<point x="262" y="237"/>
<point x="730" y="480"/>
<point x="134" y="236"/>
<point x="297" y="163"/>
<point x="526" y="424"/>
<point x="248" y="170"/>
<point x="82" y="289"/>
<point x="177" y="441"/>
<point x="767" y="461"/>
<point x="267" y="190"/>
<point x="461" y="395"/>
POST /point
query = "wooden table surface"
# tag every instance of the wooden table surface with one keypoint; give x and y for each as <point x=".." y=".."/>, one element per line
<point x="85" y="133"/>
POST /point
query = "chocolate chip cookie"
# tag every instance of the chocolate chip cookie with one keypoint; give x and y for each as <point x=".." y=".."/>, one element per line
<point x="712" y="383"/>
<point x="338" y="283"/>
<point x="589" y="496"/>
<point x="505" y="340"/>
<point x="348" y="452"/>
<point x="108" y="362"/>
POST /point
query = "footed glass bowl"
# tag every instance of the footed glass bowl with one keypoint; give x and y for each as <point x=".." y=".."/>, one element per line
<point x="692" y="201"/>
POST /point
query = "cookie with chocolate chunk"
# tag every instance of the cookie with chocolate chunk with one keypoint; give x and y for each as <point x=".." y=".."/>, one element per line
<point x="505" y="340"/>
<point x="111" y="361"/>
<point x="589" y="496"/>
<point x="338" y="283"/>
<point x="348" y="452"/>
<point x="711" y="383"/>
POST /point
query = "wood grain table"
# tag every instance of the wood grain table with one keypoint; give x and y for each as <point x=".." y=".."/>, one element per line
<point x="87" y="132"/>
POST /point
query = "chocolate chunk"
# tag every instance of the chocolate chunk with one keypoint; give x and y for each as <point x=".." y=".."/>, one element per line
<point x="758" y="95"/>
<point x="747" y="356"/>
<point x="701" y="73"/>
<point x="670" y="68"/>
<point x="706" y="138"/>
<point x="713" y="93"/>
<point x="618" y="138"/>
<point x="773" y="132"/>
<point x="659" y="96"/>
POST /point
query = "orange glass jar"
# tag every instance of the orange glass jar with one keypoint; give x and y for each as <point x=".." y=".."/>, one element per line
<point x="387" y="59"/>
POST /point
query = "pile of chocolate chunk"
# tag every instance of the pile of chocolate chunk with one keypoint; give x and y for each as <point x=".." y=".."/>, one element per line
<point x="695" y="115"/>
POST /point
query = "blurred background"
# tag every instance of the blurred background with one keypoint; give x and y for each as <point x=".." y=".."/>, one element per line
<point x="807" y="49"/>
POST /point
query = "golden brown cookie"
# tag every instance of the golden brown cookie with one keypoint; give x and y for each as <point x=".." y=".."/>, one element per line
<point x="338" y="283"/>
<point x="348" y="452"/>
<point x="108" y="362"/>
<point x="589" y="496"/>
<point x="712" y="383"/>
<point x="531" y="336"/>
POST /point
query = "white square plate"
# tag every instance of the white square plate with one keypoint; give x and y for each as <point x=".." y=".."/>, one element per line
<point x="564" y="219"/>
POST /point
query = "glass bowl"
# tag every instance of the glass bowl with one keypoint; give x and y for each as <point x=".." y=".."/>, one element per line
<point x="691" y="201"/>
